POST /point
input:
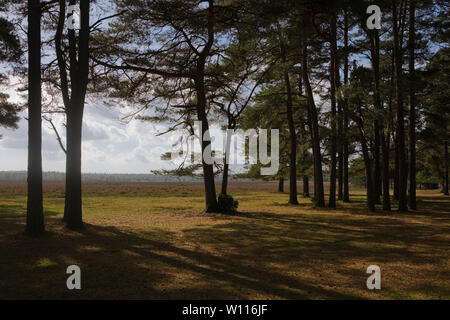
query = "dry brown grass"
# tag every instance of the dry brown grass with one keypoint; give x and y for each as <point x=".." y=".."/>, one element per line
<point x="152" y="241"/>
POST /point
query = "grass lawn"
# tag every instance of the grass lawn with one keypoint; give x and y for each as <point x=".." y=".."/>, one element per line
<point x="152" y="241"/>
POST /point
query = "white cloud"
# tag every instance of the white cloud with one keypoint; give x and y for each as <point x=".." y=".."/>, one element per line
<point x="109" y="145"/>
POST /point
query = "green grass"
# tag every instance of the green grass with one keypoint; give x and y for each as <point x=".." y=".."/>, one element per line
<point x="152" y="241"/>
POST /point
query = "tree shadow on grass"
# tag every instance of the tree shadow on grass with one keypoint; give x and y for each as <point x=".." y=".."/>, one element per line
<point x="120" y="264"/>
<point x="313" y="243"/>
<point x="252" y="255"/>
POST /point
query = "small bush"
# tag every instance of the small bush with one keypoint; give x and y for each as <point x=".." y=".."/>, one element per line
<point x="227" y="204"/>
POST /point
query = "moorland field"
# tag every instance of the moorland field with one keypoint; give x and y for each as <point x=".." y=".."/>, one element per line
<point x="152" y="241"/>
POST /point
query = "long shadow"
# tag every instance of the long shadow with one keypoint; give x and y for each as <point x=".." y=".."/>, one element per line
<point x="256" y="253"/>
<point x="119" y="264"/>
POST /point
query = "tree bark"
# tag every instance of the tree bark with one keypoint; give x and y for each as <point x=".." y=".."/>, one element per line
<point x="79" y="74"/>
<point x="73" y="203"/>
<point x="345" y="155"/>
<point x="401" y="149"/>
<point x="334" y="74"/>
<point x="378" y="128"/>
<point x="292" y="134"/>
<point x="412" y="110"/>
<point x="313" y="122"/>
<point x="379" y="180"/>
<point x="305" y="186"/>
<point x="369" y="182"/>
<point x="340" y="177"/>
<point x="35" y="214"/>
<point x="396" y="170"/>
<point x="208" y="170"/>
<point x="281" y="185"/>
<point x="367" y="162"/>
<point x="446" y="168"/>
<point x="226" y="163"/>
<point x="377" y="183"/>
<point x="386" y="196"/>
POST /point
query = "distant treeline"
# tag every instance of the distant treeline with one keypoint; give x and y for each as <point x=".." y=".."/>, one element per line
<point x="21" y="176"/>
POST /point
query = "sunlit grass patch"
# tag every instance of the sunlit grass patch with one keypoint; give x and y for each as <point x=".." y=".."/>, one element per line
<point x="155" y="241"/>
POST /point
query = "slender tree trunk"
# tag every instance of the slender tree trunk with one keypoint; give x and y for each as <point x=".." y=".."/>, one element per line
<point x="35" y="214"/>
<point x="446" y="168"/>
<point x="281" y="185"/>
<point x="367" y="163"/>
<point x="376" y="167"/>
<point x="293" y="147"/>
<point x="369" y="182"/>
<point x="226" y="163"/>
<point x="378" y="128"/>
<point x="334" y="74"/>
<point x="319" y="199"/>
<point x="292" y="134"/>
<point x="386" y="196"/>
<point x="380" y="180"/>
<point x="79" y="74"/>
<point x="402" y="172"/>
<point x="345" y="155"/>
<point x="305" y="186"/>
<point x="303" y="137"/>
<point x="340" y="132"/>
<point x="208" y="171"/>
<point x="225" y="178"/>
<point x="340" y="153"/>
<point x="396" y="165"/>
<point x="412" y="110"/>
<point x="73" y="203"/>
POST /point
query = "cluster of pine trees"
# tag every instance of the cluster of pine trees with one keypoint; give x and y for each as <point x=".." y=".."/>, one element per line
<point x="342" y="94"/>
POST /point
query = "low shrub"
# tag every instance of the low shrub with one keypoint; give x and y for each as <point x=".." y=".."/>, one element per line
<point x="227" y="204"/>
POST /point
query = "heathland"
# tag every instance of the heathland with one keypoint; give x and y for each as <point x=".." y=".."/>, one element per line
<point x="153" y="241"/>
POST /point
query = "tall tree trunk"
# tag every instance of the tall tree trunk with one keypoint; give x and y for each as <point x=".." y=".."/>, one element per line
<point x="386" y="196"/>
<point x="412" y="110"/>
<point x="293" y="146"/>
<point x="208" y="170"/>
<point x="225" y="178"/>
<point x="281" y="185"/>
<point x="367" y="162"/>
<point x="340" y="132"/>
<point x="226" y="163"/>
<point x="378" y="128"/>
<point x="380" y="140"/>
<point x="446" y="168"/>
<point x="401" y="148"/>
<point x="313" y="122"/>
<point x="292" y="134"/>
<point x="369" y="182"/>
<point x="35" y="214"/>
<point x="73" y="203"/>
<point x="334" y="74"/>
<point x="305" y="186"/>
<point x="340" y="177"/>
<point x="396" y="170"/>
<point x="345" y="155"/>
<point x="376" y="163"/>
<point x="79" y="74"/>
<point x="303" y="137"/>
